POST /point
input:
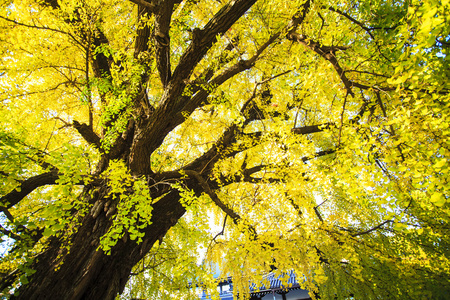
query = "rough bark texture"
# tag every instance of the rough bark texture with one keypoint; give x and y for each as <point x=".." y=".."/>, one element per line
<point x="87" y="272"/>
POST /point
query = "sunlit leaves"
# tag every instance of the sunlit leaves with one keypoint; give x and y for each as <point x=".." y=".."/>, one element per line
<point x="358" y="206"/>
<point x="132" y="200"/>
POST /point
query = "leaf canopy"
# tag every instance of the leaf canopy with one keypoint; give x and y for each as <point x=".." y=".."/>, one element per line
<point x="300" y="135"/>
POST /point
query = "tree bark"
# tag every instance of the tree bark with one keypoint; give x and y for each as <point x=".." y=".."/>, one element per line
<point x="74" y="267"/>
<point x="86" y="272"/>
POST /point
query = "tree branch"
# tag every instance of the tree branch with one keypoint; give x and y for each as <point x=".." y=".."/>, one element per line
<point x="325" y="126"/>
<point x="319" y="154"/>
<point x="299" y="17"/>
<point x="372" y="229"/>
<point x="8" y="215"/>
<point x="328" y="53"/>
<point x="88" y="84"/>
<point x="152" y="133"/>
<point x="9" y="234"/>
<point x="43" y="28"/>
<point x="162" y="40"/>
<point x="40" y="160"/>
<point x="203" y="39"/>
<point x="312" y="128"/>
<point x="230" y="72"/>
<point x="101" y="63"/>
<point x="142" y="32"/>
<point x="228" y="211"/>
<point x="27" y="186"/>
<point x="88" y="134"/>
<point x="316" y="211"/>
<point x="233" y="215"/>
<point x="222" y="59"/>
<point x="150" y="6"/>
<point x="367" y="29"/>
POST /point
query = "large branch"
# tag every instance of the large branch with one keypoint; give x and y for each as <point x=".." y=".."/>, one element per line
<point x="162" y="40"/>
<point x="203" y="39"/>
<point x="243" y="65"/>
<point x="204" y="79"/>
<point x="151" y="134"/>
<point x="88" y="134"/>
<point x="27" y="186"/>
<point x="143" y="3"/>
<point x="174" y="107"/>
<point x="312" y="128"/>
<point x="299" y="16"/>
<point x="100" y="63"/>
<point x="219" y="61"/>
<point x="143" y="32"/>
<point x="232" y="71"/>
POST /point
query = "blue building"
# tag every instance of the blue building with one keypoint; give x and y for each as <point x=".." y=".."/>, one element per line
<point x="274" y="291"/>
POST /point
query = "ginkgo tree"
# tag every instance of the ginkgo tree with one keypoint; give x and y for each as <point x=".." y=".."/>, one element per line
<point x="158" y="139"/>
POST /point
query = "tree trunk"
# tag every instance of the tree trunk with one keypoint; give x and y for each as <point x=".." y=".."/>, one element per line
<point x="86" y="272"/>
<point x="74" y="267"/>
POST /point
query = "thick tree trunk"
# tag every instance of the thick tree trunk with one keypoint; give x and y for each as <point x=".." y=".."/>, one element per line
<point x="86" y="272"/>
<point x="74" y="267"/>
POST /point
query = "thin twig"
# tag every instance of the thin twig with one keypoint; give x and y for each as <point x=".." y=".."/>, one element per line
<point x="42" y="28"/>
<point x="342" y="119"/>
<point x="88" y="85"/>
<point x="372" y="229"/>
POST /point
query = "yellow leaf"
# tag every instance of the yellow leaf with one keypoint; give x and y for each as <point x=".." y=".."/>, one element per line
<point x="440" y="163"/>
<point x="438" y="199"/>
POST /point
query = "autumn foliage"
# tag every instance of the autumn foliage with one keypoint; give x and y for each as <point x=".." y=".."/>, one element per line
<point x="143" y="143"/>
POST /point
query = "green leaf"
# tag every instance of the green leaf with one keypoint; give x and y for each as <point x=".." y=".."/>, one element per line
<point x="48" y="231"/>
<point x="442" y="162"/>
<point x="438" y="199"/>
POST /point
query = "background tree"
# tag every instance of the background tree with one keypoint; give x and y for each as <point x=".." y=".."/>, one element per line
<point x="138" y="136"/>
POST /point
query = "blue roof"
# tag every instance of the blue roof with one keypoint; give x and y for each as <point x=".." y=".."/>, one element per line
<point x="275" y="283"/>
<point x="274" y="287"/>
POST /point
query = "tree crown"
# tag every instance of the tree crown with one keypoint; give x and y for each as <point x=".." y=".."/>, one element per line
<point x="299" y="135"/>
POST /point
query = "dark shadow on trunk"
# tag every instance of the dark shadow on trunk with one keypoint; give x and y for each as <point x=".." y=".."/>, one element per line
<point x="86" y="272"/>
